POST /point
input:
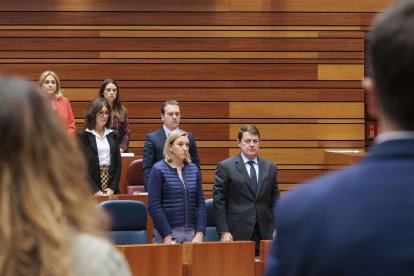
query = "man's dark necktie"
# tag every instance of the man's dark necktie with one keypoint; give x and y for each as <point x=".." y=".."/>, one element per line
<point x="253" y="175"/>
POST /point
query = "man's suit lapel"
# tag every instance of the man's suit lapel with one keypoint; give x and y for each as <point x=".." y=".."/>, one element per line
<point x="159" y="144"/>
<point x="161" y="135"/>
<point x="241" y="167"/>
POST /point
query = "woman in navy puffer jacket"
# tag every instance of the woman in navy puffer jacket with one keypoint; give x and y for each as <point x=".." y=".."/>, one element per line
<point x="175" y="195"/>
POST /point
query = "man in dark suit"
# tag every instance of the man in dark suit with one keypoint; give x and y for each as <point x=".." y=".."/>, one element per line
<point x="245" y="189"/>
<point x="360" y="221"/>
<point x="154" y="142"/>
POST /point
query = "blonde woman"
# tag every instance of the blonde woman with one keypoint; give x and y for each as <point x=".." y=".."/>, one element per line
<point x="175" y="194"/>
<point x="50" y="84"/>
<point x="50" y="224"/>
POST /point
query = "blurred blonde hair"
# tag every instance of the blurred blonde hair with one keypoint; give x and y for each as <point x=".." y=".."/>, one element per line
<point x="170" y="140"/>
<point x="44" y="75"/>
<point x="44" y="194"/>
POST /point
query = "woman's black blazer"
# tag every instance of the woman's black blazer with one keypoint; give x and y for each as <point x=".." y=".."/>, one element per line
<point x="87" y="144"/>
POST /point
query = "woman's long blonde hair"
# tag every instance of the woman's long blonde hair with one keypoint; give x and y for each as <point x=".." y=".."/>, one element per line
<point x="44" y="195"/>
<point x="44" y="75"/>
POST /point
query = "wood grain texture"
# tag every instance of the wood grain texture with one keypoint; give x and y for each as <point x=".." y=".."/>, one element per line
<point x="340" y="72"/>
<point x="154" y="259"/>
<point x="207" y="258"/>
<point x="314" y="84"/>
<point x="112" y="5"/>
<point x="297" y="110"/>
<point x="166" y="72"/>
<point x="180" y="44"/>
<point x="293" y="68"/>
<point x="309" y="132"/>
<point x="119" y="19"/>
<point x="309" y="6"/>
<point x="223" y="94"/>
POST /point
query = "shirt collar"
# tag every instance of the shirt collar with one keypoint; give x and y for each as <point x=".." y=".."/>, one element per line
<point x="394" y="135"/>
<point x="167" y="130"/>
<point x="245" y="159"/>
<point x="106" y="132"/>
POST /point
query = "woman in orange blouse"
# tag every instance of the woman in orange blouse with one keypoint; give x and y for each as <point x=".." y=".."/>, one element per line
<point x="50" y="84"/>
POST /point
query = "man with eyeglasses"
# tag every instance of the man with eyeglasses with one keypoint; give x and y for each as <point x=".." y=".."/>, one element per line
<point x="245" y="190"/>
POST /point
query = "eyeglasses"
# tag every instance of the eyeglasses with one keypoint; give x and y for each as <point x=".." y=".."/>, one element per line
<point x="103" y="113"/>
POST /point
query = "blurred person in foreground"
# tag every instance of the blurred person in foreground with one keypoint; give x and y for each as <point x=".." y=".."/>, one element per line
<point x="175" y="197"/>
<point x="359" y="221"/>
<point x="50" y="84"/>
<point x="50" y="223"/>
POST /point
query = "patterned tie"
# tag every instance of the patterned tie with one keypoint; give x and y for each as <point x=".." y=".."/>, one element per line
<point x="253" y="175"/>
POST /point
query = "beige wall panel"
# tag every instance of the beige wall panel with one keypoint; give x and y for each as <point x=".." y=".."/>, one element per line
<point x="112" y="20"/>
<point x="115" y="5"/>
<point x="297" y="110"/>
<point x="187" y="33"/>
<point x="222" y="94"/>
<point x="215" y="54"/>
<point x="165" y="72"/>
<point x="340" y="72"/>
<point x="237" y="84"/>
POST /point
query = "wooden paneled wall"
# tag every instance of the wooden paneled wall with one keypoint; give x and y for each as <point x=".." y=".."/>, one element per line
<point x="292" y="67"/>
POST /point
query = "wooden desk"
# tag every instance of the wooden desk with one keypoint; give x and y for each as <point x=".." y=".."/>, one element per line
<point x="154" y="259"/>
<point x="191" y="259"/>
<point x="337" y="159"/>
<point x="260" y="263"/>
<point x="219" y="259"/>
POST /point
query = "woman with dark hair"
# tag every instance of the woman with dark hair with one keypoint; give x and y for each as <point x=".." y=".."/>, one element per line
<point x="101" y="148"/>
<point x="49" y="223"/>
<point x="109" y="90"/>
<point x="50" y="84"/>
